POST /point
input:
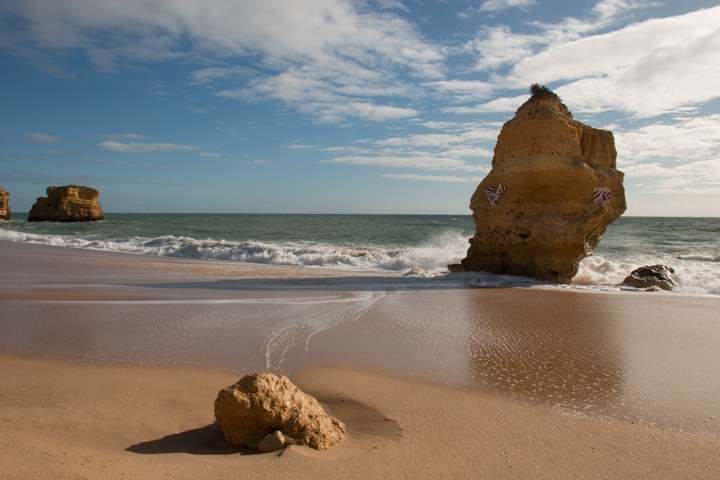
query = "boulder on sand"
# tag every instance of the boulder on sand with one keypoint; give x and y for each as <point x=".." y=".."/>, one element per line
<point x="265" y="411"/>
<point x="69" y="203"/>
<point x="552" y="190"/>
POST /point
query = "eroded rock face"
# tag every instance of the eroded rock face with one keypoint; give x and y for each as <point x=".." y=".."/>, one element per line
<point x="4" y="204"/>
<point x="69" y="203"/>
<point x="552" y="190"/>
<point x="260" y="405"/>
<point x="652" y="276"/>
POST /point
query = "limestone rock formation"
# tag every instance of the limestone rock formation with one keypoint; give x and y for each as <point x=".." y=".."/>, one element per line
<point x="552" y="190"/>
<point x="651" y="277"/>
<point x="260" y="405"/>
<point x="4" y="204"/>
<point x="69" y="203"/>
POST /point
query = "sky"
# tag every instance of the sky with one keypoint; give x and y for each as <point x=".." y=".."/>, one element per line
<point x="341" y="106"/>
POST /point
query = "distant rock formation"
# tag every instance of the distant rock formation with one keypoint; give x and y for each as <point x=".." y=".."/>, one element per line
<point x="266" y="412"/>
<point x="4" y="204"/>
<point x="552" y="190"/>
<point x="69" y="203"/>
<point x="652" y="277"/>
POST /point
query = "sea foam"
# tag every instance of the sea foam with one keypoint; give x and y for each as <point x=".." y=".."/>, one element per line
<point x="693" y="275"/>
<point x="696" y="265"/>
<point x="432" y="256"/>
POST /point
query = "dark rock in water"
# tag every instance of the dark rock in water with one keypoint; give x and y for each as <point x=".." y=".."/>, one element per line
<point x="552" y="190"/>
<point x="652" y="277"/>
<point x="4" y="204"/>
<point x="69" y="203"/>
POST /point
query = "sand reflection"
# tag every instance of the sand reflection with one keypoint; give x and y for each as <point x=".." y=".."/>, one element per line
<point x="547" y="349"/>
<point x="612" y="355"/>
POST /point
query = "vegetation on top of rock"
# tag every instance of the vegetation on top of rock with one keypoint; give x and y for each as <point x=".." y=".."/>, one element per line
<point x="537" y="90"/>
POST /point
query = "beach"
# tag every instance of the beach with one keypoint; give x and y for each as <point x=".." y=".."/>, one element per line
<point x="111" y="361"/>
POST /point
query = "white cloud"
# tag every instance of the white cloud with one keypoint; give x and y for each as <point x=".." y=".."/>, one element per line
<point x="299" y="146"/>
<point x="208" y="75"/>
<point x="645" y="69"/>
<point x="434" y="178"/>
<point x="59" y="152"/>
<point x="503" y="104"/>
<point x="685" y="139"/>
<point x="442" y="125"/>
<point x="599" y="54"/>
<point x="466" y="89"/>
<point x="304" y="47"/>
<point x="41" y="138"/>
<point x="439" y="140"/>
<point x="136" y="147"/>
<point x="132" y="164"/>
<point x="678" y="159"/>
<point x="497" y="46"/>
<point x="666" y="65"/>
<point x="349" y="149"/>
<point x="499" y="5"/>
<point x="331" y="93"/>
<point x="335" y="112"/>
<point x="470" y="151"/>
<point x="210" y="155"/>
<point x="122" y="136"/>
<point x="699" y="180"/>
<point x="427" y="162"/>
<point x="607" y="10"/>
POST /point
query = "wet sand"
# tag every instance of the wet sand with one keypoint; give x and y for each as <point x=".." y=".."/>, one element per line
<point x="110" y="363"/>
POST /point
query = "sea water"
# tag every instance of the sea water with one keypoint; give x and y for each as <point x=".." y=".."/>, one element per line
<point x="411" y="244"/>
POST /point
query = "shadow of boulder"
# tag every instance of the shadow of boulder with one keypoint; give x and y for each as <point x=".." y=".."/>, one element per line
<point x="206" y="440"/>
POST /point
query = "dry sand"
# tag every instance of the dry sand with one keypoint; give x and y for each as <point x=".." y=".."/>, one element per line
<point x="434" y="380"/>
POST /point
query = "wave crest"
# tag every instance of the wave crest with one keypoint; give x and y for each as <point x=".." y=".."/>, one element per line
<point x="432" y="256"/>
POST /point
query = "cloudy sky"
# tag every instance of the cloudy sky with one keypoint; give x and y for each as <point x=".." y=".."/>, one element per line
<point x="342" y="106"/>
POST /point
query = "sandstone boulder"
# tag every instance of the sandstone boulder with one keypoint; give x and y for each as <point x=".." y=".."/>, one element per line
<point x="69" y="203"/>
<point x="4" y="204"/>
<point x="552" y="190"/>
<point x="651" y="277"/>
<point x="253" y="411"/>
<point x="275" y="441"/>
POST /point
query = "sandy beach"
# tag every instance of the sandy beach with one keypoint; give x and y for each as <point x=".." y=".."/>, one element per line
<point x="110" y="363"/>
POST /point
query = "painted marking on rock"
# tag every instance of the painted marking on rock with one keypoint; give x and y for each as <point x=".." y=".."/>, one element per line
<point x="494" y="195"/>
<point x="601" y="195"/>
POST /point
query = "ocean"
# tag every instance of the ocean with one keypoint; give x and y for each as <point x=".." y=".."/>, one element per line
<point x="421" y="245"/>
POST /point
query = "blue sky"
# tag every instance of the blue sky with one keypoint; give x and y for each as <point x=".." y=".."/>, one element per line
<point x="338" y="106"/>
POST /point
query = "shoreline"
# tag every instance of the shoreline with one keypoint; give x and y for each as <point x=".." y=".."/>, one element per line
<point x="223" y="268"/>
<point x="635" y="375"/>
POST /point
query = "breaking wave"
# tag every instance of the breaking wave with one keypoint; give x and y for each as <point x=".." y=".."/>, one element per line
<point x="696" y="274"/>
<point x="431" y="256"/>
<point x="382" y="243"/>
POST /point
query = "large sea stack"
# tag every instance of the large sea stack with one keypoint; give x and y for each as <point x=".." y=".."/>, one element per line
<point x="4" y="204"/>
<point x="69" y="203"/>
<point x="552" y="190"/>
